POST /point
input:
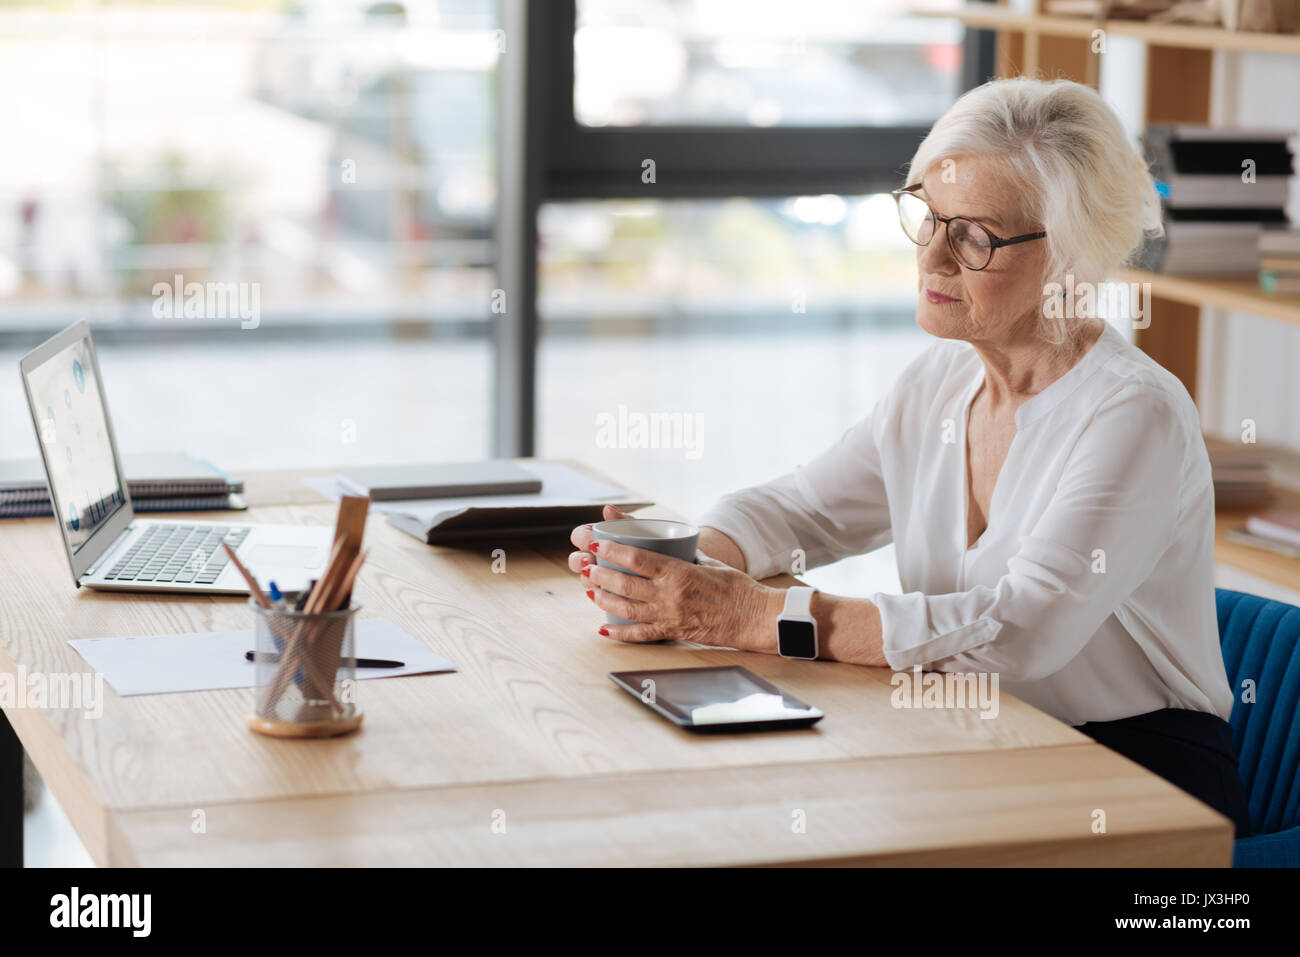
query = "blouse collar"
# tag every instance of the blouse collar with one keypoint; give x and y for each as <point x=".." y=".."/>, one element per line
<point x="1108" y="343"/>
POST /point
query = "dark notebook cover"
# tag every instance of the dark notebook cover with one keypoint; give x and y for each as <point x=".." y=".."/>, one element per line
<point x="477" y="524"/>
<point x="1225" y="214"/>
<point x="1170" y="150"/>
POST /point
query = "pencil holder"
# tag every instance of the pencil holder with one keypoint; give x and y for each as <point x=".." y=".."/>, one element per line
<point x="305" y="673"/>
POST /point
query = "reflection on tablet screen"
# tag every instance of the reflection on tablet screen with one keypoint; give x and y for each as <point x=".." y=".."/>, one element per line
<point x="752" y="707"/>
<point x="715" y="697"/>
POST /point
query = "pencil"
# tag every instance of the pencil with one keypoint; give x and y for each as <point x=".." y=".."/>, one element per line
<point x="253" y="587"/>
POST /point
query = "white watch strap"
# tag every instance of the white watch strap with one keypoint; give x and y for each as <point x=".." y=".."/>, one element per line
<point x="798" y="602"/>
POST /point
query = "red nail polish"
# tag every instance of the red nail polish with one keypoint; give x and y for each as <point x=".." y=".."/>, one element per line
<point x="586" y="573"/>
<point x="603" y="631"/>
<point x="591" y="593"/>
<point x="594" y="547"/>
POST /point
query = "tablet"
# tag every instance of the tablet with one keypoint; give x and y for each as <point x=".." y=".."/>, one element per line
<point x="722" y="699"/>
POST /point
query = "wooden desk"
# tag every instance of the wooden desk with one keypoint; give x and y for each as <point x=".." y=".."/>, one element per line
<point x="530" y="733"/>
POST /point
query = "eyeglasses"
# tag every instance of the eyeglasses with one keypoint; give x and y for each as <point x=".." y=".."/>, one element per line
<point x="972" y="245"/>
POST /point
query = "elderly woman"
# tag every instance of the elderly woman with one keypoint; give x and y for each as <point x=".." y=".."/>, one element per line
<point x="1044" y="482"/>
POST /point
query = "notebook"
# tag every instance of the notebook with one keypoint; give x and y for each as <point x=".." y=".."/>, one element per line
<point x="173" y="480"/>
<point x="567" y="498"/>
<point x="177" y="503"/>
<point x="1278" y="524"/>
<point x="393" y="483"/>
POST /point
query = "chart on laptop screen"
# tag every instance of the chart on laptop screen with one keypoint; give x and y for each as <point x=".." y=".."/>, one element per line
<point x="74" y="432"/>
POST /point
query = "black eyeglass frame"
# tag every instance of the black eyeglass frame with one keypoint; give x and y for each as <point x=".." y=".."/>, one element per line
<point x="996" y="242"/>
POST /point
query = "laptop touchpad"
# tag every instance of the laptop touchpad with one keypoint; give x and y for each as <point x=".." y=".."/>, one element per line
<point x="283" y="556"/>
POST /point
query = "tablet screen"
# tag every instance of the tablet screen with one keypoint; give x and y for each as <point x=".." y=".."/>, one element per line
<point x="702" y="697"/>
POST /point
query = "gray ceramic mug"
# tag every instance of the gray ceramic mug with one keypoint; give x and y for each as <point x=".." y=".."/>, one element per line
<point x="674" y="539"/>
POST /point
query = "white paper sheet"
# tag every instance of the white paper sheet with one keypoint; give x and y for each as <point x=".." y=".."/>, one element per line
<point x="208" y="661"/>
<point x="561" y="485"/>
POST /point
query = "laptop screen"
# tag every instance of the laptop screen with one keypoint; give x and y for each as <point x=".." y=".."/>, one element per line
<point x="69" y="409"/>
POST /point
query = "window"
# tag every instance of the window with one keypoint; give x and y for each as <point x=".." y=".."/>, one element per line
<point x="288" y="201"/>
<point x="716" y="246"/>
<point x="339" y="157"/>
<point x="773" y="324"/>
<point x="762" y="63"/>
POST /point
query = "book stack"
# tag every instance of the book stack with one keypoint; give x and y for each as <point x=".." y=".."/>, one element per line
<point x="1279" y="262"/>
<point x="158" y="482"/>
<point x="1221" y="188"/>
<point x="1240" y="474"/>
<point x="1107" y="9"/>
<point x="1275" y="530"/>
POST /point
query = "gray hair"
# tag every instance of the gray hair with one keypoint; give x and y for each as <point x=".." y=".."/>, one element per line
<point x="1083" y="179"/>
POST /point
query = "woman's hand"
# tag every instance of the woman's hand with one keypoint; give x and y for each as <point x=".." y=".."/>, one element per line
<point x="712" y="603"/>
<point x="582" y="539"/>
<point x="713" y="543"/>
<point x="709" y="603"/>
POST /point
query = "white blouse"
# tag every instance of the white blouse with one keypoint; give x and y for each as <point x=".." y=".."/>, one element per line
<point x="1091" y="591"/>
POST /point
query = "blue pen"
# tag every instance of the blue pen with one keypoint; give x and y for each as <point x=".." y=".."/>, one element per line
<point x="278" y="597"/>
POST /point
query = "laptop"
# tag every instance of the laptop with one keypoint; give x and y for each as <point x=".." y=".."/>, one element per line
<point x="107" y="546"/>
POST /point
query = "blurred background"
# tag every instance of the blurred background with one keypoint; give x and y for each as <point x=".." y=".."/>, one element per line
<point x="344" y="157"/>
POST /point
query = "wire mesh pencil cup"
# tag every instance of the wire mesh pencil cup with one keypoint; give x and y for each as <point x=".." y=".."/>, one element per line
<point x="305" y="672"/>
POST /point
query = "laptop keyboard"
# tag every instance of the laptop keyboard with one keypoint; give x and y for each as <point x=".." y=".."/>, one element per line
<point x="178" y="553"/>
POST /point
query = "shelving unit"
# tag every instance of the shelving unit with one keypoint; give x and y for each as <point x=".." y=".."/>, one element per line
<point x="995" y="17"/>
<point x="1278" y="569"/>
<point x="1177" y="90"/>
<point x="1240" y="294"/>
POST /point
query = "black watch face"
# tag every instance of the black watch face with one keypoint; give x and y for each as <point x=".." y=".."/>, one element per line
<point x="798" y="639"/>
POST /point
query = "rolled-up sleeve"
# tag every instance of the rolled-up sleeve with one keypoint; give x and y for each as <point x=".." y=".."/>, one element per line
<point x="830" y="508"/>
<point x="1111" y="517"/>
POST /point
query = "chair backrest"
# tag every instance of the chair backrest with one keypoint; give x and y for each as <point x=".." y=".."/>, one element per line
<point x="1261" y="652"/>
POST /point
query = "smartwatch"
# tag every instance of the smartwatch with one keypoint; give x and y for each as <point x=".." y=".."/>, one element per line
<point x="796" y="629"/>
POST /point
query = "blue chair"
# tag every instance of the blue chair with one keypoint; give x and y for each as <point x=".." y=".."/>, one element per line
<point x="1261" y="643"/>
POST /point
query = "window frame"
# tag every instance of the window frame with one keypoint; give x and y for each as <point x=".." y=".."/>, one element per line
<point x="583" y="162"/>
<point x="564" y="160"/>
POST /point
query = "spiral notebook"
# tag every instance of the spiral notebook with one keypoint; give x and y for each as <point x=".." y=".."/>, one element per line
<point x="158" y="482"/>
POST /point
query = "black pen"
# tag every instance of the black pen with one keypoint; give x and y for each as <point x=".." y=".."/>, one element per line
<point x="302" y="599"/>
<point x="270" y="658"/>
